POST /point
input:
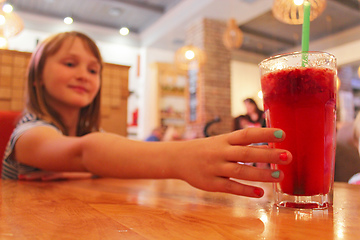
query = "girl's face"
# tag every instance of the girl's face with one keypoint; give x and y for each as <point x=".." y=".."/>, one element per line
<point x="71" y="76"/>
<point x="250" y="108"/>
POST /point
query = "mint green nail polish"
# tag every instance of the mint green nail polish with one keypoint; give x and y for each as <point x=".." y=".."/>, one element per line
<point x="275" y="174"/>
<point x="278" y="134"/>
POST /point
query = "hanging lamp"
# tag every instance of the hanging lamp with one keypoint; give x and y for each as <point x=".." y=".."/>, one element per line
<point x="291" y="11"/>
<point x="233" y="37"/>
<point x="188" y="54"/>
<point x="10" y="25"/>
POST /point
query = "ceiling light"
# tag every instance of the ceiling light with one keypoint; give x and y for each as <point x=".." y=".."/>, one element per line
<point x="3" y="43"/>
<point x="299" y="2"/>
<point x="124" y="31"/>
<point x="289" y="12"/>
<point x="7" y="8"/>
<point x="68" y="20"/>
<point x="233" y="37"/>
<point x="11" y="25"/>
<point x="2" y="19"/>
<point x="189" y="54"/>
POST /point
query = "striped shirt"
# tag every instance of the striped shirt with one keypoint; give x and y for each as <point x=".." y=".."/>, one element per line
<point x="11" y="168"/>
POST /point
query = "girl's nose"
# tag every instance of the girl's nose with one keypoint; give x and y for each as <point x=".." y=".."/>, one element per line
<point x="82" y="73"/>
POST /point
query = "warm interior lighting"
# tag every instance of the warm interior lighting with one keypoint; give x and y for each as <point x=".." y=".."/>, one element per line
<point x="124" y="31"/>
<point x="68" y="20"/>
<point x="188" y="54"/>
<point x="3" y="43"/>
<point x="2" y="20"/>
<point x="338" y="83"/>
<point x="291" y="12"/>
<point x="299" y="2"/>
<point x="7" y="8"/>
<point x="233" y="37"/>
<point x="260" y="94"/>
<point x="10" y="24"/>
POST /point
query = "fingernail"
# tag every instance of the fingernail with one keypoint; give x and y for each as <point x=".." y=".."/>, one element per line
<point x="275" y="174"/>
<point x="283" y="156"/>
<point x="21" y="176"/>
<point x="278" y="134"/>
<point x="258" y="192"/>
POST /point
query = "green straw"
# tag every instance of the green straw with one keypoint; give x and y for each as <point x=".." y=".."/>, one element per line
<point x="305" y="33"/>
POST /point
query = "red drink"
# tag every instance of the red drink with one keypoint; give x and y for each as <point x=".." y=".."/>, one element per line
<point x="301" y="101"/>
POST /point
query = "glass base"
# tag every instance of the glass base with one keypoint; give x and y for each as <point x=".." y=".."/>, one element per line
<point x="321" y="201"/>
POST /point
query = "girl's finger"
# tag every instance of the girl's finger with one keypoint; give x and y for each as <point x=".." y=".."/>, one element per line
<point x="230" y="186"/>
<point x="67" y="175"/>
<point x="77" y="175"/>
<point x="249" y="173"/>
<point x="255" y="154"/>
<point x="33" y="176"/>
<point x="51" y="176"/>
<point x="256" y="135"/>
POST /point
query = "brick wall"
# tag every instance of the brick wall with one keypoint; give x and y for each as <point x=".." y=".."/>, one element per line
<point x="213" y="88"/>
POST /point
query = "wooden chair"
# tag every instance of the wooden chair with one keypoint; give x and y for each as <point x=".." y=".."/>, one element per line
<point x="8" y="120"/>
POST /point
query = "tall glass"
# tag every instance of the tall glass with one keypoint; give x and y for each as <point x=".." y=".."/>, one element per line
<point x="299" y="91"/>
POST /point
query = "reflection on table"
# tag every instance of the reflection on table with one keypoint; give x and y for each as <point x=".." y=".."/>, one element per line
<point x="164" y="209"/>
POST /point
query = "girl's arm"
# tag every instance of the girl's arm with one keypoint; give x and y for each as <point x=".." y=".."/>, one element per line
<point x="208" y="163"/>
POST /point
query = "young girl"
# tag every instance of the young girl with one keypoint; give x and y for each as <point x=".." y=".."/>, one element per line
<point x="58" y="136"/>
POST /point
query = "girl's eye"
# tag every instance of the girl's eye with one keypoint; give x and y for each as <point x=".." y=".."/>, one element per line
<point x="69" y="64"/>
<point x="93" y="71"/>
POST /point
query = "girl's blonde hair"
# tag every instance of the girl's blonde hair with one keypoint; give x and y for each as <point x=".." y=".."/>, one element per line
<point x="89" y="119"/>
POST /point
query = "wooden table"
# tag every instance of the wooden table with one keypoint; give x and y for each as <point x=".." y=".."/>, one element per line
<point x="163" y="209"/>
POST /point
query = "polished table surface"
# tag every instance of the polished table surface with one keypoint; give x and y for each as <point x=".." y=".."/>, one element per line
<point x="164" y="209"/>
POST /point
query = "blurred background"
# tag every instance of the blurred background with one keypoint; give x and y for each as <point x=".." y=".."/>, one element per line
<point x="146" y="36"/>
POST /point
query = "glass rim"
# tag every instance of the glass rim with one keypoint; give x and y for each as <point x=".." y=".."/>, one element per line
<point x="294" y="53"/>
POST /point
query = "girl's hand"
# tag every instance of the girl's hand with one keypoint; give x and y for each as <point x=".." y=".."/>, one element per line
<point x="216" y="162"/>
<point x="51" y="176"/>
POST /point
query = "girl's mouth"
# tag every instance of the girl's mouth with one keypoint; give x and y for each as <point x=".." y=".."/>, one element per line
<point x="79" y="89"/>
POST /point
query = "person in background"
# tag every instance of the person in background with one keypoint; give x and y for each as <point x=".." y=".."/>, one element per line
<point x="356" y="178"/>
<point x="58" y="136"/>
<point x="240" y="122"/>
<point x="156" y="135"/>
<point x="254" y="117"/>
